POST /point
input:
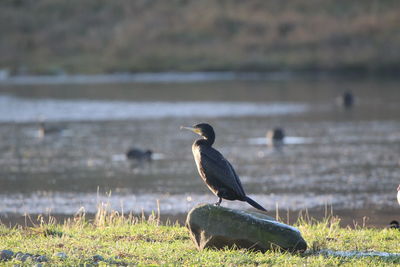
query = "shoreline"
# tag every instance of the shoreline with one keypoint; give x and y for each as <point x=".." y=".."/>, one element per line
<point x="188" y="77"/>
<point x="348" y="217"/>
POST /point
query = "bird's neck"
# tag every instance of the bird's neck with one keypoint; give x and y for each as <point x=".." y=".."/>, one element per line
<point x="204" y="141"/>
<point x="210" y="138"/>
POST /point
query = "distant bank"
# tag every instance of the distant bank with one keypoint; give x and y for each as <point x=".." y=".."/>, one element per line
<point x="99" y="36"/>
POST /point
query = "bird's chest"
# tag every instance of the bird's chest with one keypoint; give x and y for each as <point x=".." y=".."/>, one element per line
<point x="197" y="159"/>
<point x="202" y="171"/>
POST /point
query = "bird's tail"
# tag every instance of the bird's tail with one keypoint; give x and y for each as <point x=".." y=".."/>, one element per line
<point x="254" y="204"/>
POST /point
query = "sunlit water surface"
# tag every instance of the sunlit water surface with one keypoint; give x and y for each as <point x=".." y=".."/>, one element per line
<point x="347" y="159"/>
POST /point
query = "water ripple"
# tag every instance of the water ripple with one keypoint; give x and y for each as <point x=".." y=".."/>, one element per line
<point x="25" y="110"/>
<point x="70" y="202"/>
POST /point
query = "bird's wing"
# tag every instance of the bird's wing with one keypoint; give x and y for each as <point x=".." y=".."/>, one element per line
<point x="215" y="166"/>
<point x="236" y="178"/>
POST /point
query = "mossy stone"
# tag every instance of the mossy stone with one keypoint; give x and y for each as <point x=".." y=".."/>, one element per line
<point x="213" y="226"/>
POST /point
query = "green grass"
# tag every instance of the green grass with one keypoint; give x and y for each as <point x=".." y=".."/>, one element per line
<point x="139" y="241"/>
<point x="95" y="36"/>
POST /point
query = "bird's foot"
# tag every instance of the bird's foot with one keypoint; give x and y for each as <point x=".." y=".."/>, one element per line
<point x="219" y="202"/>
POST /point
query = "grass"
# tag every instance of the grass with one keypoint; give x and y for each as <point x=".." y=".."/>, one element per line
<point x="128" y="240"/>
<point x="101" y="36"/>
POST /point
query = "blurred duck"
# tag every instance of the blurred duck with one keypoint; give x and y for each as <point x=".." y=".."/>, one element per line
<point x="139" y="154"/>
<point x="394" y="225"/>
<point x="346" y="100"/>
<point x="276" y="136"/>
<point x="48" y="130"/>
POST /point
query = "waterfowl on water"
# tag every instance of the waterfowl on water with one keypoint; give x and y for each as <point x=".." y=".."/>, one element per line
<point x="139" y="154"/>
<point x="45" y="129"/>
<point x="346" y="100"/>
<point x="275" y="136"/>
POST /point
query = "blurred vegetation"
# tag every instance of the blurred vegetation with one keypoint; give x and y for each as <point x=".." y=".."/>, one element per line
<point x="96" y="36"/>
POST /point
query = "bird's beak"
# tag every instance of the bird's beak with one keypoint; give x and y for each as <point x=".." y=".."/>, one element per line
<point x="195" y="130"/>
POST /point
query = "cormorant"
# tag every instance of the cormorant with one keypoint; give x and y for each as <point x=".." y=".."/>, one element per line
<point x="215" y="170"/>
<point x="138" y="154"/>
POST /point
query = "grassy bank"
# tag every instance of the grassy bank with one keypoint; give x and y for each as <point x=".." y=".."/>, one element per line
<point x="97" y="36"/>
<point x="113" y="239"/>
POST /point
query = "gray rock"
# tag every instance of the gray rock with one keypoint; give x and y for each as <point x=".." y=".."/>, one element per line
<point x="41" y="258"/>
<point x="211" y="226"/>
<point x="23" y="256"/>
<point x="26" y="256"/>
<point x="19" y="255"/>
<point x="6" y="255"/>
<point x="61" y="255"/>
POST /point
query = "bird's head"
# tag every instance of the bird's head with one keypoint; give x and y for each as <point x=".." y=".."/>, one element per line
<point x="203" y="129"/>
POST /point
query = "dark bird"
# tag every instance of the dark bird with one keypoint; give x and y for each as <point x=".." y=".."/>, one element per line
<point x="276" y="136"/>
<point x="346" y="99"/>
<point x="394" y="225"/>
<point x="215" y="170"/>
<point x="138" y="154"/>
<point x="45" y="129"/>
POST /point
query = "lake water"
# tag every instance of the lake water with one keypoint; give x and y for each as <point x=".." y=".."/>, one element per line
<point x="347" y="159"/>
